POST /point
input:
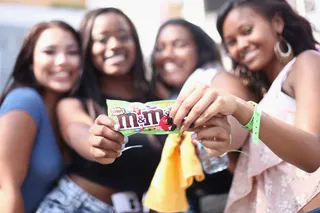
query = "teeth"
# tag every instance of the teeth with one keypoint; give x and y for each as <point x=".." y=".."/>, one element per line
<point x="62" y="74"/>
<point x="170" y="67"/>
<point x="250" y="54"/>
<point x="117" y="58"/>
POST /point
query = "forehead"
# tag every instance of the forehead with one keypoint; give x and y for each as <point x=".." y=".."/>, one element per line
<point x="239" y="17"/>
<point x="110" y="22"/>
<point x="174" y="32"/>
<point x="55" y="36"/>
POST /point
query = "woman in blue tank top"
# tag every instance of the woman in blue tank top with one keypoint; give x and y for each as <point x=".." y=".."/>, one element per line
<point x="46" y="69"/>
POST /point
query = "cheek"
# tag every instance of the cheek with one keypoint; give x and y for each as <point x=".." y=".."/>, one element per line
<point x="189" y="57"/>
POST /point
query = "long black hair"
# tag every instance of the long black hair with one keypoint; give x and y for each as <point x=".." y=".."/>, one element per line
<point x="89" y="86"/>
<point x="22" y="74"/>
<point x="297" y="31"/>
<point x="207" y="50"/>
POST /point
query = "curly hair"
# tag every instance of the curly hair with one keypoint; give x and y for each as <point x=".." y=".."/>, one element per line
<point x="295" y="26"/>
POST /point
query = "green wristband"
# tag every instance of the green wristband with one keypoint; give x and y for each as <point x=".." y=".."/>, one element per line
<point x="249" y="125"/>
<point x="256" y="124"/>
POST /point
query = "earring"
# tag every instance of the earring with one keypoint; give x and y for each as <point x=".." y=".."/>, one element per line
<point x="283" y="51"/>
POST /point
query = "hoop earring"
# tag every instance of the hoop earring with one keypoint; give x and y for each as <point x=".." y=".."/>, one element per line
<point x="284" y="57"/>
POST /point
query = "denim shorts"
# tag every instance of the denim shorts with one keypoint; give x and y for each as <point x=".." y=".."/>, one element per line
<point x="68" y="197"/>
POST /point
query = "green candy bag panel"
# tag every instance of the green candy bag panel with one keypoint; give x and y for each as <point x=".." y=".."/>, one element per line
<point x="143" y="118"/>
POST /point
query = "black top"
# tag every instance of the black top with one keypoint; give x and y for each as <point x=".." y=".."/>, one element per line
<point x="133" y="171"/>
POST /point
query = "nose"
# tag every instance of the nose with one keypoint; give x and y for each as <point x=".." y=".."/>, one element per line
<point x="113" y="43"/>
<point x="61" y="59"/>
<point x="167" y="52"/>
<point x="242" y="43"/>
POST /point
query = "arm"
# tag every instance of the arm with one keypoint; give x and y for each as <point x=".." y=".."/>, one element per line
<point x="233" y="85"/>
<point x="94" y="140"/>
<point x="74" y="124"/>
<point x="298" y="144"/>
<point x="18" y="128"/>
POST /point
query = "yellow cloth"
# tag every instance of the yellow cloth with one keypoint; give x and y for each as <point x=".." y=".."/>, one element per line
<point x="176" y="171"/>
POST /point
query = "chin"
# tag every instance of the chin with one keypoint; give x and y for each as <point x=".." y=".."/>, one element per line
<point x="61" y="89"/>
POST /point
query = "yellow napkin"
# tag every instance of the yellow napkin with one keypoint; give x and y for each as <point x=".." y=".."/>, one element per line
<point x="176" y="171"/>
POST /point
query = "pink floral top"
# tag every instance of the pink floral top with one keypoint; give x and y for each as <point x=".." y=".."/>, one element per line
<point x="264" y="183"/>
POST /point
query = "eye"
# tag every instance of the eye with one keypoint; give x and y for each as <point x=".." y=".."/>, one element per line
<point x="230" y="42"/>
<point x="49" y="52"/>
<point x="100" y="40"/>
<point x="247" y="31"/>
<point x="180" y="44"/>
<point x="123" y="37"/>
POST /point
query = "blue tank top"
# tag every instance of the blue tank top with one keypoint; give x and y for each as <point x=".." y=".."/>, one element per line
<point x="46" y="162"/>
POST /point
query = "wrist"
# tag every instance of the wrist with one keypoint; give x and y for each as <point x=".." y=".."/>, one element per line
<point x="244" y="111"/>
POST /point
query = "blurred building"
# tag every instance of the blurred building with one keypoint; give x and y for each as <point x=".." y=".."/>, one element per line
<point x="17" y="16"/>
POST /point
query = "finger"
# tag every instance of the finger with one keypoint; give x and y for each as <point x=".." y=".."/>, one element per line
<point x="215" y="148"/>
<point x="106" y="132"/>
<point x="188" y="104"/>
<point x="98" y="153"/>
<point x="106" y="121"/>
<point x="104" y="143"/>
<point x="200" y="106"/>
<point x="221" y="121"/>
<point x="217" y="133"/>
<point x="182" y="96"/>
<point x="213" y="110"/>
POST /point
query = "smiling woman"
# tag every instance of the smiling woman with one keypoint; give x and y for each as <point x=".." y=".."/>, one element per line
<point x="31" y="161"/>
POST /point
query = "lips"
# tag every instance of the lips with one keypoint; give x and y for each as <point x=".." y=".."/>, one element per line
<point x="115" y="59"/>
<point x="249" y="56"/>
<point x="62" y="75"/>
<point x="170" y="67"/>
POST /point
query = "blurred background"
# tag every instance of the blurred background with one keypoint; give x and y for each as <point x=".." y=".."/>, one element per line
<point x="17" y="16"/>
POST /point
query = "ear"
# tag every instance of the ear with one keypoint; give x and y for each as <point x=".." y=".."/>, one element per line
<point x="277" y="23"/>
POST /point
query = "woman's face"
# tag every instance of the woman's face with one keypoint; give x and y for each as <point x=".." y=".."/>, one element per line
<point x="113" y="48"/>
<point x="56" y="60"/>
<point x="175" y="55"/>
<point x="250" y="38"/>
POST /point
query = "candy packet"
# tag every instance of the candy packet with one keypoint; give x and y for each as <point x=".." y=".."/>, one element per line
<point x="144" y="118"/>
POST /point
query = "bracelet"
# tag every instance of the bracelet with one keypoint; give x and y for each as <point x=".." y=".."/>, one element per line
<point x="254" y="123"/>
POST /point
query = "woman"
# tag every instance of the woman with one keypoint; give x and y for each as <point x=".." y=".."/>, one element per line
<point x="113" y="69"/>
<point x="184" y="55"/>
<point x="263" y="38"/>
<point x="46" y="69"/>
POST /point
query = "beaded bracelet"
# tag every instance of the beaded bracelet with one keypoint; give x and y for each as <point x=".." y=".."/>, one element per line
<point x="254" y="123"/>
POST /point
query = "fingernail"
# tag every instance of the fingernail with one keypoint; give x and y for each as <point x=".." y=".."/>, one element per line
<point x="170" y="120"/>
<point x="194" y="136"/>
<point x="192" y="125"/>
<point x="126" y="139"/>
<point x="116" y="127"/>
<point x="173" y="127"/>
<point x="123" y="146"/>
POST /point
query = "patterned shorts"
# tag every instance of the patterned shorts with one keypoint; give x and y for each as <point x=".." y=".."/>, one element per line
<point x="68" y="197"/>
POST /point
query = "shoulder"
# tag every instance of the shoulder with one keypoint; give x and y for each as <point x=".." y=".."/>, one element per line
<point x="306" y="64"/>
<point x="26" y="99"/>
<point x="25" y="95"/>
<point x="308" y="58"/>
<point x="69" y="103"/>
<point x="232" y="84"/>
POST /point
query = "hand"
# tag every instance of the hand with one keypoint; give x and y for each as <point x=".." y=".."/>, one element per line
<point x="214" y="135"/>
<point x="199" y="104"/>
<point x="105" y="141"/>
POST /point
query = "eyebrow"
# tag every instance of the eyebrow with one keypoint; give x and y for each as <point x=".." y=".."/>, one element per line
<point x="54" y="46"/>
<point x="106" y="32"/>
